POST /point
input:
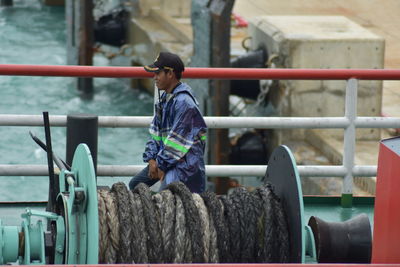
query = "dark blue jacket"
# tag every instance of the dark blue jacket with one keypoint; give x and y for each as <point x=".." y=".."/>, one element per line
<point x="178" y="134"/>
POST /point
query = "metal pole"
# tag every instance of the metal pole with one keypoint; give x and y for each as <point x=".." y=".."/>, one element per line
<point x="215" y="122"/>
<point x="321" y="171"/>
<point x="201" y="73"/>
<point x="349" y="143"/>
<point x="82" y="128"/>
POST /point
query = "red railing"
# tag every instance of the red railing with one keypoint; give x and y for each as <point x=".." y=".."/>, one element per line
<point x="202" y="73"/>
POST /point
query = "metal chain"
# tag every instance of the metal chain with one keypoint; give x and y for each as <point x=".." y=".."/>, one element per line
<point x="265" y="85"/>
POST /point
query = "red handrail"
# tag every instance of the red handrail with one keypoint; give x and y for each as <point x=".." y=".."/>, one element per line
<point x="202" y="73"/>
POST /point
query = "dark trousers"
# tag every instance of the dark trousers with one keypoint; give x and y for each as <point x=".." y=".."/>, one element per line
<point x="142" y="177"/>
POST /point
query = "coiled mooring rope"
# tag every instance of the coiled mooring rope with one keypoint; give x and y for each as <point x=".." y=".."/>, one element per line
<point x="152" y="225"/>
<point x="180" y="233"/>
<point x="112" y="223"/>
<point x="124" y="254"/>
<point x="167" y="224"/>
<point x="205" y="224"/>
<point x="176" y="226"/>
<point x="139" y="233"/>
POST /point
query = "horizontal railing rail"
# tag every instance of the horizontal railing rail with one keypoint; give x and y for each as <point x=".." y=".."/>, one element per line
<point x="215" y="122"/>
<point x="211" y="170"/>
<point x="202" y="73"/>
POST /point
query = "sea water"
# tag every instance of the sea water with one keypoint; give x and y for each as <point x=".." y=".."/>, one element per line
<point x="31" y="33"/>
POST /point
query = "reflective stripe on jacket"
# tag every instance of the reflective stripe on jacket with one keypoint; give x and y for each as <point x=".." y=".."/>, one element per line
<point x="178" y="134"/>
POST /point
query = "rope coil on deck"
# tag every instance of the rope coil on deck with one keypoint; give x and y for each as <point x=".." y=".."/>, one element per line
<point x="176" y="226"/>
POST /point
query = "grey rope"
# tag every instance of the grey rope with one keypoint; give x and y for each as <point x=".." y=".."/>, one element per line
<point x="168" y="224"/>
<point x="282" y="229"/>
<point x="270" y="235"/>
<point x="103" y="229"/>
<point x="214" y="207"/>
<point x="213" y="251"/>
<point x="139" y="232"/>
<point x="180" y="233"/>
<point x="176" y="226"/>
<point x="233" y="227"/>
<point x="237" y="198"/>
<point x="157" y="201"/>
<point x="124" y="215"/>
<point x="205" y="224"/>
<point x="154" y="246"/>
<point x="110" y="256"/>
<point x="192" y="219"/>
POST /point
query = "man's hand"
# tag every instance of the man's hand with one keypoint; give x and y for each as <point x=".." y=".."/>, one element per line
<point x="153" y="170"/>
<point x="161" y="174"/>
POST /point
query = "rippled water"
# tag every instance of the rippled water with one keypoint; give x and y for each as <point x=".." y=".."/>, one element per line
<point x="31" y="33"/>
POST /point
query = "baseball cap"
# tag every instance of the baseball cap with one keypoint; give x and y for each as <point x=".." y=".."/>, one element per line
<point x="168" y="61"/>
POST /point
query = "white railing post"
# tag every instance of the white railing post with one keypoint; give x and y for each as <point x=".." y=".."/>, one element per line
<point x="349" y="143"/>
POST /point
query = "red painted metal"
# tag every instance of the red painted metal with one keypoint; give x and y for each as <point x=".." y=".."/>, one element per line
<point x="221" y="265"/>
<point x="386" y="237"/>
<point x="240" y="22"/>
<point x="202" y="73"/>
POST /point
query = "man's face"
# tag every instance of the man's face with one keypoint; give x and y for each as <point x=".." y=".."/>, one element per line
<point x="163" y="79"/>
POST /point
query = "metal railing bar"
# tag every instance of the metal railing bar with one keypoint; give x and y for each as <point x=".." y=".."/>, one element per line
<point x="377" y="122"/>
<point x="214" y="122"/>
<point x="349" y="142"/>
<point x="211" y="170"/>
<point x="202" y="73"/>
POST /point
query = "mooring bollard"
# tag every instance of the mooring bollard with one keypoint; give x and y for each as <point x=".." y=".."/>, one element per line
<point x="82" y="128"/>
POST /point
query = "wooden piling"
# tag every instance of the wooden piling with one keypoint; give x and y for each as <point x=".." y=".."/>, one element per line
<point x="220" y="43"/>
<point x="79" y="15"/>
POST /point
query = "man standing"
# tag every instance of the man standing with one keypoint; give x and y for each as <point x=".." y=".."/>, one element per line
<point x="175" y="151"/>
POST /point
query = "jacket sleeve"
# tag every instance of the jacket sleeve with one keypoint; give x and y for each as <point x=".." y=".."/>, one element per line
<point x="153" y="144"/>
<point x="184" y="132"/>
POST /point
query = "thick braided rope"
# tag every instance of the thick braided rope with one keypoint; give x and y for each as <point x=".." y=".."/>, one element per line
<point x="113" y="227"/>
<point x="157" y="201"/>
<point x="192" y="219"/>
<point x="238" y="197"/>
<point x="205" y="224"/>
<point x="154" y="242"/>
<point x="282" y="230"/>
<point x="260" y="249"/>
<point x="257" y="202"/>
<point x="213" y="250"/>
<point x="214" y="207"/>
<point x="270" y="234"/>
<point x="139" y="232"/>
<point x="180" y="232"/>
<point x="103" y="229"/>
<point x="124" y="214"/>
<point x="233" y="228"/>
<point x="251" y="230"/>
<point x="168" y="229"/>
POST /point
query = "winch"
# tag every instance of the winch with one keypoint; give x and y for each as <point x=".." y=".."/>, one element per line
<point x="75" y="228"/>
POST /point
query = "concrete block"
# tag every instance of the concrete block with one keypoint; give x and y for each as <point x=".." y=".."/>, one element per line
<point x="322" y="42"/>
<point x="176" y="8"/>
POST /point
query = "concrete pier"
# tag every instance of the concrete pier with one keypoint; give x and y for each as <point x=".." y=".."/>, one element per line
<point x="173" y="32"/>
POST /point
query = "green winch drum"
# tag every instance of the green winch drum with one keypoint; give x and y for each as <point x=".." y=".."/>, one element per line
<point x="78" y="203"/>
<point x="283" y="175"/>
